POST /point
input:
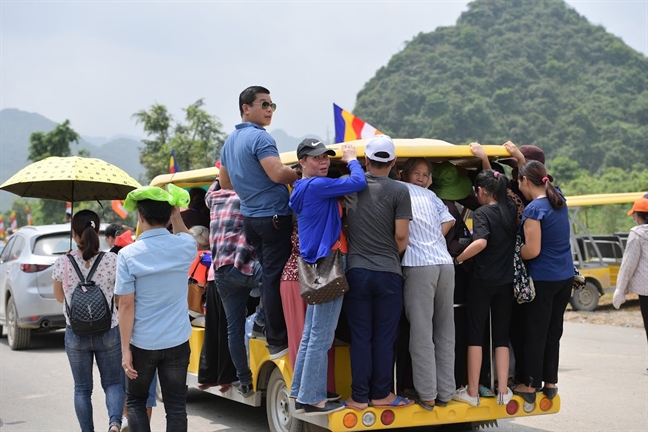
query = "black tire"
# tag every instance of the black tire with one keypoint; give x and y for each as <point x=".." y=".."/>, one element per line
<point x="278" y="403"/>
<point x="585" y="299"/>
<point x="18" y="338"/>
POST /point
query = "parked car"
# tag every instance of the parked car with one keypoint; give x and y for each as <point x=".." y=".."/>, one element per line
<point x="26" y="286"/>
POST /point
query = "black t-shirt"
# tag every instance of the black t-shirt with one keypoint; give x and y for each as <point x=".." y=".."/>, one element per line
<point x="494" y="265"/>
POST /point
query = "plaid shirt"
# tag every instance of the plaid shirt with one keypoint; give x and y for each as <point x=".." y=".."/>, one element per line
<point x="227" y="239"/>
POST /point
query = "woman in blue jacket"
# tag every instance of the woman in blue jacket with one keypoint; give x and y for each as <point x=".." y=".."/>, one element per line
<point x="315" y="200"/>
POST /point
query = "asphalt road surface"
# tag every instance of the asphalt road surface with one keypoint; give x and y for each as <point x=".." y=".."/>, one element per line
<point x="603" y="386"/>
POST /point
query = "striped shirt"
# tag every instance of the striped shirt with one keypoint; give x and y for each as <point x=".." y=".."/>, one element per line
<point x="427" y="246"/>
<point x="227" y="239"/>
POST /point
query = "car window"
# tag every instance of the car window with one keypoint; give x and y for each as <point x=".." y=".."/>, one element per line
<point x="59" y="244"/>
<point x="16" y="249"/>
<point x="4" y="256"/>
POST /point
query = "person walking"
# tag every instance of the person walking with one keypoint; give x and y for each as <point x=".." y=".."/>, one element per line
<point x="633" y="274"/>
<point x="250" y="165"/>
<point x="153" y="314"/>
<point x="83" y="350"/>
<point x="315" y="200"/>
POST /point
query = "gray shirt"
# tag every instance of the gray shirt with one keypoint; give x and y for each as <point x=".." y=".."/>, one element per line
<point x="371" y="214"/>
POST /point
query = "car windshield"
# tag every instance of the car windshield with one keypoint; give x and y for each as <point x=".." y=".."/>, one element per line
<point x="59" y="244"/>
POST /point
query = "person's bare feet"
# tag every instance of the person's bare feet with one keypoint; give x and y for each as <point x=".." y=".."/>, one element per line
<point x="350" y="403"/>
<point x="390" y="401"/>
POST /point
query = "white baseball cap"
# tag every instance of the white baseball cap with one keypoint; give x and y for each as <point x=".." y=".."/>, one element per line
<point x="380" y="148"/>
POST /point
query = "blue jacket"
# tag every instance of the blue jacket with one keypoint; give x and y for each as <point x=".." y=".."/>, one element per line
<point x="315" y="201"/>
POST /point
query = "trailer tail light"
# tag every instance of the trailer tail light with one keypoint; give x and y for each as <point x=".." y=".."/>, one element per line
<point x="350" y="420"/>
<point x="34" y="268"/>
<point x="512" y="407"/>
<point x="545" y="404"/>
<point x="368" y="419"/>
<point x="387" y="417"/>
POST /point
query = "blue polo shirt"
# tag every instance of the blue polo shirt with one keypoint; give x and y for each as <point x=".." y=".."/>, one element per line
<point x="156" y="268"/>
<point x="241" y="156"/>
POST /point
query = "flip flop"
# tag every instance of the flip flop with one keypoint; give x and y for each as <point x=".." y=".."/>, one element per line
<point x="412" y="394"/>
<point x="485" y="392"/>
<point x="346" y="406"/>
<point x="396" y="403"/>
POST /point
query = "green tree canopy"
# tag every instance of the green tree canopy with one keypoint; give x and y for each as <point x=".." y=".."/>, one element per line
<point x="54" y="143"/>
<point x="197" y="140"/>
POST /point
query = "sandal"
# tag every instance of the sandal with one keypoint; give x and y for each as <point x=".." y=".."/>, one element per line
<point x="398" y="402"/>
<point x="413" y="394"/>
<point x="485" y="392"/>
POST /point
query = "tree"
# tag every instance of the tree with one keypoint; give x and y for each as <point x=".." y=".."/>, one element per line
<point x="43" y="145"/>
<point x="197" y="141"/>
<point x="53" y="143"/>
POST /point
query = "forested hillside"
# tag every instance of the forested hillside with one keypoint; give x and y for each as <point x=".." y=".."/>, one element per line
<point x="534" y="72"/>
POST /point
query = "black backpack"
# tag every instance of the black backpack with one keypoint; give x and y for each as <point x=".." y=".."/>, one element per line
<point x="88" y="312"/>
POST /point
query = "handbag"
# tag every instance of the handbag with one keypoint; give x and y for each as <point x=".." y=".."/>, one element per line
<point x="523" y="288"/>
<point x="195" y="293"/>
<point x="324" y="280"/>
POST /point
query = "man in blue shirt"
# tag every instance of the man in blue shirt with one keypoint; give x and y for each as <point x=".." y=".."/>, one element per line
<point x="153" y="314"/>
<point x="250" y="165"/>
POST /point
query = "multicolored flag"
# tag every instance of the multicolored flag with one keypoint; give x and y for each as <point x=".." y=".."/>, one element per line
<point x="3" y="234"/>
<point x="349" y="127"/>
<point x="173" y="164"/>
<point x="118" y="207"/>
<point x="29" y="218"/>
<point x="14" y="222"/>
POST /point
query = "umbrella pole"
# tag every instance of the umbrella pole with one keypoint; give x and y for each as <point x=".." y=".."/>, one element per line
<point x="71" y="215"/>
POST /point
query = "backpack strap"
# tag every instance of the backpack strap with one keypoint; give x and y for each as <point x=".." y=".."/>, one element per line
<point x="94" y="266"/>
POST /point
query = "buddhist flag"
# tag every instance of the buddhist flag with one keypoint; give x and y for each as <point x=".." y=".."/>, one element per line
<point x="173" y="164"/>
<point x="29" y="218"/>
<point x="349" y="127"/>
<point x="2" y="230"/>
<point x="14" y="222"/>
<point x="118" y="207"/>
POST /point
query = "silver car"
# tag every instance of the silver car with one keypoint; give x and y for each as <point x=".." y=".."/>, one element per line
<point x="26" y="284"/>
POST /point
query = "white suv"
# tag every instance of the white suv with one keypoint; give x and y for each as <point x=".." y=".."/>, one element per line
<point x="26" y="285"/>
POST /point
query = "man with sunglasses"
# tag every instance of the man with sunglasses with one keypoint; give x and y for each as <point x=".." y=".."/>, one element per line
<point x="250" y="165"/>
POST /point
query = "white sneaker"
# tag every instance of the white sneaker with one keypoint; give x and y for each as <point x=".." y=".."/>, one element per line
<point x="463" y="396"/>
<point x="504" y="398"/>
<point x="124" y="425"/>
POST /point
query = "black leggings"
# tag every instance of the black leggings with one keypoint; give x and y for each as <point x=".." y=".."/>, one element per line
<point x="643" y="305"/>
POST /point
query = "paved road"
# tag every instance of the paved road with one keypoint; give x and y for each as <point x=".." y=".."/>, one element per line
<point x="603" y="383"/>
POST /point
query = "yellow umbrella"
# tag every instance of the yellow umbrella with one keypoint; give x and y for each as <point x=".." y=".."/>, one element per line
<point x="71" y="179"/>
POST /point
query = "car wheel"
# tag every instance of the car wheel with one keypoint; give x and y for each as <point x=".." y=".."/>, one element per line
<point x="278" y="403"/>
<point x="17" y="337"/>
<point x="586" y="298"/>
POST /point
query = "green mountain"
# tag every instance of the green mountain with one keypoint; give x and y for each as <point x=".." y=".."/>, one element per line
<point x="529" y="71"/>
<point x="15" y="128"/>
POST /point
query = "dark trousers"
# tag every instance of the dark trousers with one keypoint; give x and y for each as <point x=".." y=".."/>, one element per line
<point x="462" y="281"/>
<point x="643" y="305"/>
<point x="271" y="241"/>
<point x="543" y="330"/>
<point x="171" y="365"/>
<point x="373" y="307"/>
<point x="216" y="366"/>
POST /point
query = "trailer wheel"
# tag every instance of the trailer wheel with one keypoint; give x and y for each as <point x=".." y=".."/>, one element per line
<point x="585" y="299"/>
<point x="278" y="403"/>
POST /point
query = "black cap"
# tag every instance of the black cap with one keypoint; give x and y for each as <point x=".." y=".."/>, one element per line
<point x="312" y="147"/>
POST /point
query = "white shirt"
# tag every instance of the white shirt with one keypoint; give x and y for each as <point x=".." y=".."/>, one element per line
<point x="427" y="245"/>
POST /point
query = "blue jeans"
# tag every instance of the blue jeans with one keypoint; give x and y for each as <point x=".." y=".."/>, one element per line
<point x="106" y="349"/>
<point x="309" y="378"/>
<point x="234" y="289"/>
<point x="373" y="307"/>
<point x="171" y="365"/>
<point x="271" y="241"/>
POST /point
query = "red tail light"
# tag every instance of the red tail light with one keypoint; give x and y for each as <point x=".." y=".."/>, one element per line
<point x="33" y="268"/>
<point x="387" y="417"/>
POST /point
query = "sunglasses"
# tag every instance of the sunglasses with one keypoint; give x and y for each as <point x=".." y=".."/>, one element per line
<point x="265" y="105"/>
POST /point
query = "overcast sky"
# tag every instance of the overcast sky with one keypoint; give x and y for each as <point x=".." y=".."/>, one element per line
<point x="98" y="62"/>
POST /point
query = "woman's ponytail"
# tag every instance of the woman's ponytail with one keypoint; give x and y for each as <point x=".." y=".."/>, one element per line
<point x="86" y="225"/>
<point x="536" y="173"/>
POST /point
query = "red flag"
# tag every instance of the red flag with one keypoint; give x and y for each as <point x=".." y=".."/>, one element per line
<point x="2" y="230"/>
<point x="118" y="207"/>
